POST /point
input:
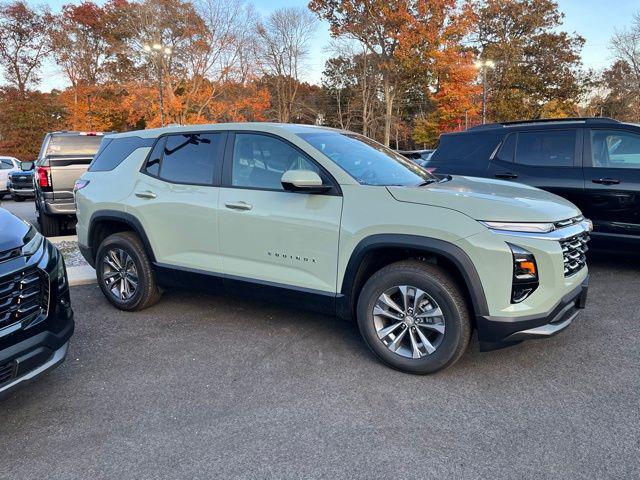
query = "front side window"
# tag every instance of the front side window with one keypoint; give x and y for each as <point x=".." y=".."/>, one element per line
<point x="260" y="160"/>
<point x="367" y="161"/>
<point x="546" y="149"/>
<point x="189" y="158"/>
<point x="615" y="149"/>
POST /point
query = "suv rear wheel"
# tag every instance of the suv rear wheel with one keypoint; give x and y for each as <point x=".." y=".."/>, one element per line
<point x="413" y="317"/>
<point x="124" y="272"/>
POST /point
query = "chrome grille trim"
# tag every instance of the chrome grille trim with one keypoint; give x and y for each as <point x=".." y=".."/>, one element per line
<point x="24" y="298"/>
<point x="573" y="252"/>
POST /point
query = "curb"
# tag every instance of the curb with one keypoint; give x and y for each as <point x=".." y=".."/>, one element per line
<point x="81" y="275"/>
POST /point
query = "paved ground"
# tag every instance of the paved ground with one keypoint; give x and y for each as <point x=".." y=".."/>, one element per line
<point x="203" y="386"/>
<point x="25" y="209"/>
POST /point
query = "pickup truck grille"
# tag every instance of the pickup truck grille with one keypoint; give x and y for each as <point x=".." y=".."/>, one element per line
<point x="23" y="296"/>
<point x="573" y="250"/>
<point x="22" y="181"/>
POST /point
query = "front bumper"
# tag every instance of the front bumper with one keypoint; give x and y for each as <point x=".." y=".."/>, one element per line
<point x="499" y="332"/>
<point x="32" y="347"/>
<point x="22" y="192"/>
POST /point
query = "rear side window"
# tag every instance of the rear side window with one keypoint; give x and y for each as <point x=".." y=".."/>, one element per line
<point x="467" y="149"/>
<point x="189" y="158"/>
<point x="74" y="144"/>
<point x="555" y="148"/>
<point x="114" y="150"/>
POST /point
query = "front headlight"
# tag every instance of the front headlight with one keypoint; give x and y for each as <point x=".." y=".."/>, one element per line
<point x="526" y="227"/>
<point x="33" y="241"/>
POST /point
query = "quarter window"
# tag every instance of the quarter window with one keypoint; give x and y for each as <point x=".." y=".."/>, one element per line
<point x="546" y="149"/>
<point x="260" y="160"/>
<point x="615" y="149"/>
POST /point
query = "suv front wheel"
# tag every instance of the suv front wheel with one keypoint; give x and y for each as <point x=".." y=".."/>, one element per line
<point x="124" y="272"/>
<point x="414" y="317"/>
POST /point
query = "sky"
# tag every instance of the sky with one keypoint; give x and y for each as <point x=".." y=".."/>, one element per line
<point x="595" y="20"/>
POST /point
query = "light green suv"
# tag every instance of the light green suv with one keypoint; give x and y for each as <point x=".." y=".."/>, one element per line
<point x="332" y="221"/>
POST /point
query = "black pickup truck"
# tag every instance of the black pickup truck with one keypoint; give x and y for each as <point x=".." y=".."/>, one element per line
<point x="63" y="158"/>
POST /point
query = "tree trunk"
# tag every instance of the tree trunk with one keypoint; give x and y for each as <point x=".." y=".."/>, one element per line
<point x="388" y="104"/>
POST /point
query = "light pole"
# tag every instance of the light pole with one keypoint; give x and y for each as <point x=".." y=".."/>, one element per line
<point x="483" y="65"/>
<point x="158" y="52"/>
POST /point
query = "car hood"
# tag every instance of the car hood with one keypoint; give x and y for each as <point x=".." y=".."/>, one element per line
<point x="487" y="199"/>
<point x="12" y="231"/>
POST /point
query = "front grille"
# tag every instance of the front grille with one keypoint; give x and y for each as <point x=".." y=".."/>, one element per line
<point x="23" y="297"/>
<point x="573" y="250"/>
<point x="22" y="181"/>
<point x="7" y="372"/>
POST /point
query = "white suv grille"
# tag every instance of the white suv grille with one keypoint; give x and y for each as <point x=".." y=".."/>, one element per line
<point x="573" y="250"/>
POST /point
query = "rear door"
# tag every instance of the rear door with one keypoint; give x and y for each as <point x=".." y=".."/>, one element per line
<point x="612" y="181"/>
<point x="549" y="159"/>
<point x="175" y="197"/>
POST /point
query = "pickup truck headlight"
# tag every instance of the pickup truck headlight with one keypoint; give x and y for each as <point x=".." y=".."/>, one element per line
<point x="525" y="274"/>
<point x="33" y="240"/>
<point x="526" y="227"/>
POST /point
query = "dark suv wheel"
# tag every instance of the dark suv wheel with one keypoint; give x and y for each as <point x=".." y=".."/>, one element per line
<point x="414" y="317"/>
<point x="124" y="272"/>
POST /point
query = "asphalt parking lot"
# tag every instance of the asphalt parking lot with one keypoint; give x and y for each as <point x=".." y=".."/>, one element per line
<point x="205" y="386"/>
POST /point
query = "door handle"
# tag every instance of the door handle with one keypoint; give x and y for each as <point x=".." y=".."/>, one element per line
<point x="606" y="181"/>
<point x="146" y="194"/>
<point x="238" y="205"/>
<point x="506" y="175"/>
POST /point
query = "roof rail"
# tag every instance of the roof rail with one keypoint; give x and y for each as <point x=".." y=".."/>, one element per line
<point x="587" y="120"/>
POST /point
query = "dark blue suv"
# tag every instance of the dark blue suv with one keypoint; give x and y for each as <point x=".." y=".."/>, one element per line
<point x="593" y="162"/>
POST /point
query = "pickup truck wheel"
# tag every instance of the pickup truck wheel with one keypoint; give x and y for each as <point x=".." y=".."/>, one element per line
<point x="413" y="317"/>
<point x="50" y="225"/>
<point x="124" y="272"/>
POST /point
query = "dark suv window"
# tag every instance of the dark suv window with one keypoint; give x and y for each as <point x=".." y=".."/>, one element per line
<point x="548" y="149"/>
<point x="189" y="158"/>
<point x="615" y="149"/>
<point x="465" y="150"/>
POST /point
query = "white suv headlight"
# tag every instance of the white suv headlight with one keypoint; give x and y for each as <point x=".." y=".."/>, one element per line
<point x="526" y="227"/>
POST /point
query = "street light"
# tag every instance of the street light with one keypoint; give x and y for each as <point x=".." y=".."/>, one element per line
<point x="483" y="65"/>
<point x="158" y="52"/>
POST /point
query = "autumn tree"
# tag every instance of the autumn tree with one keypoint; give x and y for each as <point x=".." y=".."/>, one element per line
<point x="535" y="61"/>
<point x="24" y="34"/>
<point x="283" y="46"/>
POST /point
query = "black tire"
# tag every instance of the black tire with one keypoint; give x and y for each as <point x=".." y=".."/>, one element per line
<point x="18" y="198"/>
<point x="50" y="225"/>
<point x="440" y="286"/>
<point x="147" y="292"/>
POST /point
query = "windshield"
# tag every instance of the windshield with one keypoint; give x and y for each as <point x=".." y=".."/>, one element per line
<point x="367" y="161"/>
<point x="74" y="144"/>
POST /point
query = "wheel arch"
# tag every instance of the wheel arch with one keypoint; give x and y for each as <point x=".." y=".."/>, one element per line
<point x="106" y="222"/>
<point x="377" y="251"/>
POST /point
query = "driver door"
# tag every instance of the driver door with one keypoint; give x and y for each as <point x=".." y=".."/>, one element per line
<point x="270" y="235"/>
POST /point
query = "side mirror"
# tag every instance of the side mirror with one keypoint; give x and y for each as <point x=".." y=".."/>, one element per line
<point x="26" y="166"/>
<point x="304" y="181"/>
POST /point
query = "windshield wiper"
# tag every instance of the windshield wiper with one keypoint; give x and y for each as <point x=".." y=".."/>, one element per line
<point x="427" y="182"/>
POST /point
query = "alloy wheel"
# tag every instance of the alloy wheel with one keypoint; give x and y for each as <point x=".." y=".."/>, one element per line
<point x="119" y="274"/>
<point x="408" y="321"/>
